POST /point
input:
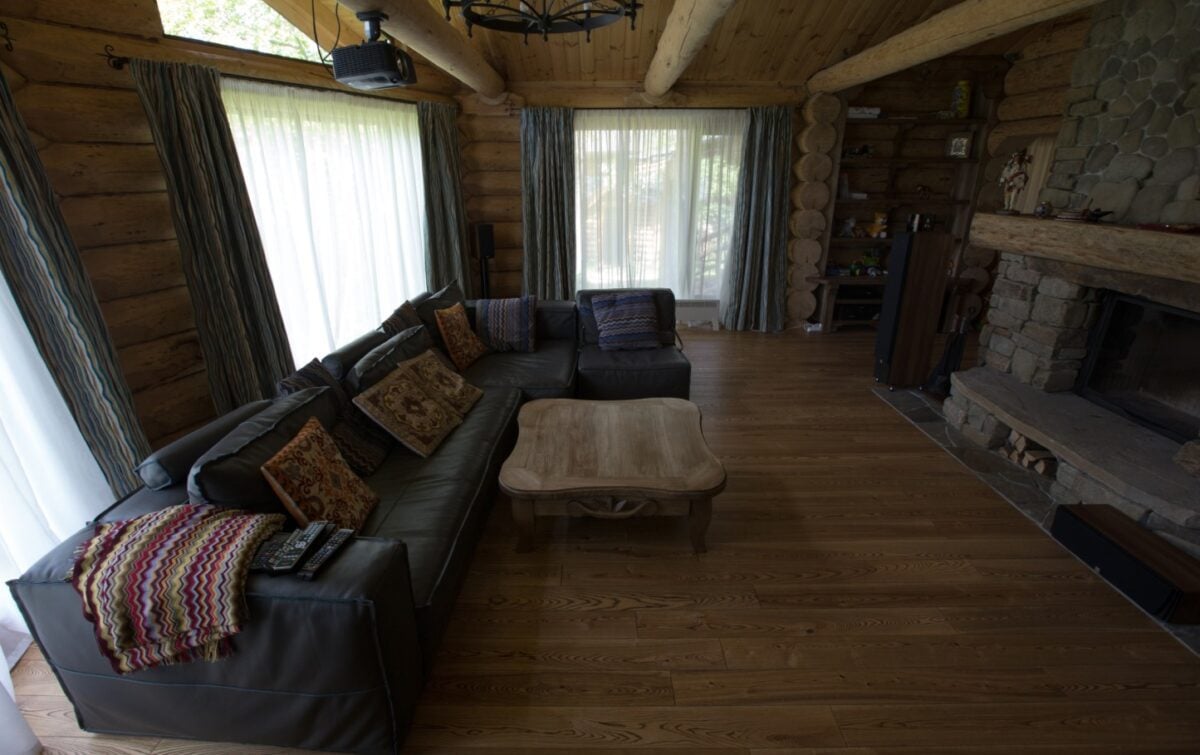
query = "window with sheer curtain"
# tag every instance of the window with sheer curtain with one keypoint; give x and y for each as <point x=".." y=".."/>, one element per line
<point x="655" y="194"/>
<point x="336" y="184"/>
<point x="49" y="481"/>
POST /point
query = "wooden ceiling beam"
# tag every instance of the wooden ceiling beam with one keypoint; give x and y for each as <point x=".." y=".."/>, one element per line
<point x="690" y="23"/>
<point x="417" y="24"/>
<point x="956" y="28"/>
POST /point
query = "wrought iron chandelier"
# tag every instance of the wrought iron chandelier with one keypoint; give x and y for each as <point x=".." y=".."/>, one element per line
<point x="544" y="17"/>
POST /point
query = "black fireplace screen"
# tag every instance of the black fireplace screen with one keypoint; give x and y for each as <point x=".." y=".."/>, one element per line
<point x="1144" y="362"/>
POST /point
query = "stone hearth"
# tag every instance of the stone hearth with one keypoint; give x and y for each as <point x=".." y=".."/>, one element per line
<point x="1033" y="344"/>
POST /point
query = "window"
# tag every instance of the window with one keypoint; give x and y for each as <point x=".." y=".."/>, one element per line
<point x="246" y="24"/>
<point x="49" y="480"/>
<point x="655" y="193"/>
<point x="337" y="188"/>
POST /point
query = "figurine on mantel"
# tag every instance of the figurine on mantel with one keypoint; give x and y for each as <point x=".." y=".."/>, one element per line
<point x="1013" y="180"/>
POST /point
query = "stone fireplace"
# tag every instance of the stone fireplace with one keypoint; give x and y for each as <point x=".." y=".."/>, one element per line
<point x="1099" y="363"/>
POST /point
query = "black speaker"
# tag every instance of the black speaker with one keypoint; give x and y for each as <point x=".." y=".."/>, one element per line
<point x="485" y="246"/>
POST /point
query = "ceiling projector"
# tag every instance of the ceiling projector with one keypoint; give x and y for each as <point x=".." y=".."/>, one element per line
<point x="376" y="63"/>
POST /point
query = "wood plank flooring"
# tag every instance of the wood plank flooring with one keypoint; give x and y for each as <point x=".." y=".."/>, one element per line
<point x="863" y="595"/>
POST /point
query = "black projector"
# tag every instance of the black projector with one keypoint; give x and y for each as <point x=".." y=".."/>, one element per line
<point x="373" y="65"/>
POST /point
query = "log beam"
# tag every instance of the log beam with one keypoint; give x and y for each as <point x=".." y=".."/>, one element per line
<point x="690" y="23"/>
<point x="958" y="27"/>
<point x="418" y="25"/>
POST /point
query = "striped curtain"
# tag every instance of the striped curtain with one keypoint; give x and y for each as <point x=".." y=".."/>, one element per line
<point x="756" y="275"/>
<point x="447" y="249"/>
<point x="548" y="201"/>
<point x="241" y="330"/>
<point x="44" y="271"/>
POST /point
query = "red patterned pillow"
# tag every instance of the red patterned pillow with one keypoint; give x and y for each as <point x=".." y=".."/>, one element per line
<point x="314" y="482"/>
<point x="463" y="346"/>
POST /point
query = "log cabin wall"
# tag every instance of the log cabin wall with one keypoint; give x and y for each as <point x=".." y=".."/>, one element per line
<point x="94" y="140"/>
<point x="491" y="151"/>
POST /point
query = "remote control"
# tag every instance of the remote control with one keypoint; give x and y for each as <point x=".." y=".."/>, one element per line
<point x="326" y="552"/>
<point x="268" y="550"/>
<point x="300" y="544"/>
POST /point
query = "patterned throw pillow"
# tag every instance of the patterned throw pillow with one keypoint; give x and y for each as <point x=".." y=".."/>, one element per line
<point x="444" y="383"/>
<point x="626" y="320"/>
<point x="314" y="482"/>
<point x="363" y="445"/>
<point x="402" y="319"/>
<point x="463" y="346"/>
<point x="507" y="324"/>
<point x="403" y="405"/>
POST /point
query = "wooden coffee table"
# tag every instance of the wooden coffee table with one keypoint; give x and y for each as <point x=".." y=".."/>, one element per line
<point x="611" y="460"/>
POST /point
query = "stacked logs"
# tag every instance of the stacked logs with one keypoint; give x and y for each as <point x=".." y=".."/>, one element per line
<point x="811" y="203"/>
<point x="1021" y="450"/>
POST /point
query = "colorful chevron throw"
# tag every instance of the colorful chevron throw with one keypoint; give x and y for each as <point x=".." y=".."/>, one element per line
<point x="167" y="587"/>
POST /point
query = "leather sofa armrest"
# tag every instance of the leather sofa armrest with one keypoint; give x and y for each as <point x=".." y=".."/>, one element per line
<point x="318" y="665"/>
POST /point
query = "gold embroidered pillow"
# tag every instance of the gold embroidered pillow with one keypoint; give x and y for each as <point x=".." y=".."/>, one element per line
<point x="445" y="384"/>
<point x="463" y="346"/>
<point x="314" y="482"/>
<point x="402" y="405"/>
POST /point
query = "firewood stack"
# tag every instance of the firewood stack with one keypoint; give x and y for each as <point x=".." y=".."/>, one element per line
<point x="1021" y="450"/>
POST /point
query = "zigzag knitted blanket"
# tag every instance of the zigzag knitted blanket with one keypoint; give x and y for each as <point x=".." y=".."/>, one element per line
<point x="167" y="587"/>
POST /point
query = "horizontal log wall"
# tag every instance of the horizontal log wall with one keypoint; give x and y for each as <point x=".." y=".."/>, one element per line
<point x="491" y="150"/>
<point x="95" y="144"/>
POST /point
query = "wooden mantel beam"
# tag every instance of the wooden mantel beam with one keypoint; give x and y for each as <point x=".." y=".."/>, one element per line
<point x="418" y="25"/>
<point x="956" y="28"/>
<point x="690" y="23"/>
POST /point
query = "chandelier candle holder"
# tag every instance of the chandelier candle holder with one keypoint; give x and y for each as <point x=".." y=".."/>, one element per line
<point x="544" y="17"/>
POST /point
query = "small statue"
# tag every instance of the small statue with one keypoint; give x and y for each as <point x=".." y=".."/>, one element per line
<point x="848" y="226"/>
<point x="878" y="227"/>
<point x="1042" y="210"/>
<point x="1013" y="179"/>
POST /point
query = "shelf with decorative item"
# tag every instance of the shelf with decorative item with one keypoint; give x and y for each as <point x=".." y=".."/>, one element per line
<point x="919" y="120"/>
<point x="903" y="200"/>
<point x="889" y="162"/>
<point x="839" y="241"/>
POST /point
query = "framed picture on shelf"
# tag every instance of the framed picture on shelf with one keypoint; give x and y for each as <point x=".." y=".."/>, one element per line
<point x="959" y="145"/>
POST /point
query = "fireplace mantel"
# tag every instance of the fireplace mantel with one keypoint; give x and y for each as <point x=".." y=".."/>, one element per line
<point x="1172" y="256"/>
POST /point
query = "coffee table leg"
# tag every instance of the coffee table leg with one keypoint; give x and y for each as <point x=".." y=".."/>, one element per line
<point x="522" y="510"/>
<point x="698" y="523"/>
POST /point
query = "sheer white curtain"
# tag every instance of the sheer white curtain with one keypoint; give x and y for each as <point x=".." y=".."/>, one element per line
<point x="655" y="194"/>
<point x="50" y="485"/>
<point x="336" y="184"/>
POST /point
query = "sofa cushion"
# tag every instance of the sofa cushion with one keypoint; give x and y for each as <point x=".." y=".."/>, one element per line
<point x="315" y="483"/>
<point x="170" y="464"/>
<point x="557" y="320"/>
<point x="427" y="304"/>
<point x="376" y="364"/>
<point x="340" y="362"/>
<point x="410" y="410"/>
<point x="548" y="372"/>
<point x="229" y="475"/>
<point x="647" y="373"/>
<point x="449" y="387"/>
<point x="664" y="303"/>
<point x="507" y="324"/>
<point x="362" y="444"/>
<point x="402" y="319"/>
<point x="463" y="346"/>
<point x="626" y="320"/>
<point x="427" y="503"/>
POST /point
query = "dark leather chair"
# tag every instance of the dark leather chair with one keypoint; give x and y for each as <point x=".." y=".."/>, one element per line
<point x="642" y="373"/>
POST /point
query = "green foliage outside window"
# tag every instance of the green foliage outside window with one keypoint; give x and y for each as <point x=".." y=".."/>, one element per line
<point x="246" y="24"/>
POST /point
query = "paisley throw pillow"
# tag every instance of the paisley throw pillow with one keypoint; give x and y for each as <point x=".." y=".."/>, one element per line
<point x="403" y="405"/>
<point x="463" y="346"/>
<point x="314" y="482"/>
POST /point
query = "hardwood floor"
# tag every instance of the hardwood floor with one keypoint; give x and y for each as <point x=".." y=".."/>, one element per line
<point x="863" y="594"/>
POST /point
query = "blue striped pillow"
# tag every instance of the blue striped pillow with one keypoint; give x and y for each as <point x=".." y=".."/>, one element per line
<point x="507" y="324"/>
<point x="626" y="320"/>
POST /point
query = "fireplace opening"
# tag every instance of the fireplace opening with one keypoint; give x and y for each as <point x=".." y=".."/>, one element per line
<point x="1143" y="361"/>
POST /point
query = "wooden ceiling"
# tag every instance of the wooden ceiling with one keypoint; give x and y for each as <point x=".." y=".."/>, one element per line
<point x="758" y="42"/>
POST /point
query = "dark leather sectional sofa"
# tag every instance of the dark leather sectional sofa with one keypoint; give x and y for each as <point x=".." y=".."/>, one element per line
<point x="338" y="663"/>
